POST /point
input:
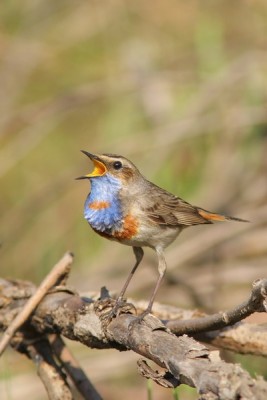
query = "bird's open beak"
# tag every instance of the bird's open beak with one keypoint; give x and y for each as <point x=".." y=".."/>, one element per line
<point x="99" y="167"/>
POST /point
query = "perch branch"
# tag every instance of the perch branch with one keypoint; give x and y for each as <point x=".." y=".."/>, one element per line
<point x="242" y="337"/>
<point x="61" y="269"/>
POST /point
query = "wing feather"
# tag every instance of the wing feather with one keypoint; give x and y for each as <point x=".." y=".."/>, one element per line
<point x="164" y="208"/>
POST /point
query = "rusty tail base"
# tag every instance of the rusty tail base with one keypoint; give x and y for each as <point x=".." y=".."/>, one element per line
<point x="213" y="217"/>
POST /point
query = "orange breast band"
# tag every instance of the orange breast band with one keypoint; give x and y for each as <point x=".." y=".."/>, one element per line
<point x="99" y="205"/>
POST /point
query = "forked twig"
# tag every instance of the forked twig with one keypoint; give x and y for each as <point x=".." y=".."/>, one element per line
<point x="49" y="372"/>
<point x="73" y="369"/>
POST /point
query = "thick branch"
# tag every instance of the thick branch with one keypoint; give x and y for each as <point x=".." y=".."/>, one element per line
<point x="241" y="338"/>
<point x="188" y="361"/>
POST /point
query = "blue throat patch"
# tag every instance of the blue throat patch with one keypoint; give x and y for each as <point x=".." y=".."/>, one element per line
<point x="104" y="189"/>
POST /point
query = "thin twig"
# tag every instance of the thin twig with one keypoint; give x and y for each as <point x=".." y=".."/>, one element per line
<point x="255" y="303"/>
<point x="72" y="367"/>
<point x="59" y="270"/>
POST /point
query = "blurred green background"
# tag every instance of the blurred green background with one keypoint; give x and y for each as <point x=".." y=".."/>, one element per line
<point x="180" y="89"/>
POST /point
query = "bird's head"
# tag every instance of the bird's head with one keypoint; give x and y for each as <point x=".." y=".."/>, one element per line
<point x="111" y="164"/>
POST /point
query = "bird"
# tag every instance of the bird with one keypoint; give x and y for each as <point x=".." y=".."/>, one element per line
<point x="124" y="206"/>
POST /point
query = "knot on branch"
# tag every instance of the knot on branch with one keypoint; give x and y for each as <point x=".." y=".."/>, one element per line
<point x="259" y="295"/>
<point x="107" y="308"/>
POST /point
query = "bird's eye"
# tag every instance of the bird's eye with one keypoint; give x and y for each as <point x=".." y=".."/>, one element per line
<point x="117" y="165"/>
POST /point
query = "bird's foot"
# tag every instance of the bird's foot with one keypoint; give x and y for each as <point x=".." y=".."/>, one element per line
<point x="121" y="307"/>
<point x="140" y="318"/>
<point x="148" y="319"/>
<point x="143" y="315"/>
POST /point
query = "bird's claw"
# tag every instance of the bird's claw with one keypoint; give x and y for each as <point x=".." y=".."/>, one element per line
<point x="121" y="307"/>
<point x="139" y="318"/>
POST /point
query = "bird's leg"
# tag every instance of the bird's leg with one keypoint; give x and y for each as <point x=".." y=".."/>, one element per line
<point x="161" y="269"/>
<point x="162" y="266"/>
<point x="138" y="252"/>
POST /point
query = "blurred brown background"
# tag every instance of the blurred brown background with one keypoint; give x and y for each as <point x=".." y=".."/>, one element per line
<point x="180" y="89"/>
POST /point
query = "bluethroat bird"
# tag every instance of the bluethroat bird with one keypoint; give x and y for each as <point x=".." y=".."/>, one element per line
<point x="124" y="206"/>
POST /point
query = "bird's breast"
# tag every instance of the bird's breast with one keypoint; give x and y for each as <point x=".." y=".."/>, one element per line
<point x="108" y="220"/>
<point x="102" y="208"/>
<point x="103" y="215"/>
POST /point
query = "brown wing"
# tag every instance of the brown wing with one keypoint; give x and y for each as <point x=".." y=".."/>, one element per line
<point x="166" y="209"/>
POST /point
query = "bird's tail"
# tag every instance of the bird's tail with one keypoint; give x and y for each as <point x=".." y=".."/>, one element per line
<point x="212" y="217"/>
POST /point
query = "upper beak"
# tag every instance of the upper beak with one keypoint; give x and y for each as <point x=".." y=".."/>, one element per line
<point x="99" y="167"/>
